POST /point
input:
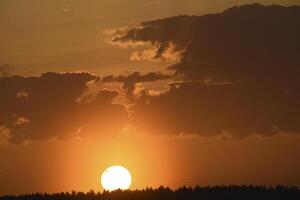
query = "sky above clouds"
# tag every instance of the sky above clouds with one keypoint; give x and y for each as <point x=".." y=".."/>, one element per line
<point x="193" y="90"/>
<point x="67" y="35"/>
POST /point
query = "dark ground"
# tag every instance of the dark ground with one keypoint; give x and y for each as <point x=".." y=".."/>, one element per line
<point x="184" y="193"/>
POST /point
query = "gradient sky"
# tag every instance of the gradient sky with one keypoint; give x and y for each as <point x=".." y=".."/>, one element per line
<point x="115" y="102"/>
<point x="67" y="35"/>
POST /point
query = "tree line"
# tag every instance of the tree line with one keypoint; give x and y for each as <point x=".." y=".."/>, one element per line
<point x="164" y="193"/>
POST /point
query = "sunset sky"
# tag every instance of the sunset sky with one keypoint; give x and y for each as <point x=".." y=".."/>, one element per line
<point x="180" y="92"/>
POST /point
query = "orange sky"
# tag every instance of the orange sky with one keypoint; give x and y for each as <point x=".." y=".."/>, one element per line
<point x="67" y="35"/>
<point x="153" y="161"/>
<point x="218" y="117"/>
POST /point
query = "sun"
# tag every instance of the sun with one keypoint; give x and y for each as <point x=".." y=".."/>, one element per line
<point x="116" y="177"/>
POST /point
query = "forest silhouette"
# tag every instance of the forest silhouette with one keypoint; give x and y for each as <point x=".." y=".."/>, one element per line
<point x="209" y="193"/>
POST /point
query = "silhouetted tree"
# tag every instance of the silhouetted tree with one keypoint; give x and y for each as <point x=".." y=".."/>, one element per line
<point x="232" y="192"/>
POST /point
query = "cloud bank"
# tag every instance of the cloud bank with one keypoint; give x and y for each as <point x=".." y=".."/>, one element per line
<point x="239" y="72"/>
<point x="236" y="73"/>
<point x="45" y="107"/>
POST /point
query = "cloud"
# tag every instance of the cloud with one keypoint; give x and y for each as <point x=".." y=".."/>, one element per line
<point x="250" y="41"/>
<point x="23" y="94"/>
<point x="20" y="121"/>
<point x="45" y="107"/>
<point x="129" y="81"/>
<point x="239" y="72"/>
<point x="4" y="136"/>
<point x="159" y="53"/>
<point x="209" y="110"/>
<point x="112" y="36"/>
<point x="6" y="70"/>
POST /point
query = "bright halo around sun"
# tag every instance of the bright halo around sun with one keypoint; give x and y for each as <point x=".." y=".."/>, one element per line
<point x="116" y="177"/>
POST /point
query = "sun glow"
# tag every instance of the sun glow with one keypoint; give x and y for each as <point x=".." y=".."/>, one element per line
<point x="116" y="177"/>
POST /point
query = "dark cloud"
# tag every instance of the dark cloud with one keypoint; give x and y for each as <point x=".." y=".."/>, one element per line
<point x="208" y="110"/>
<point x="129" y="81"/>
<point x="40" y="108"/>
<point x="238" y="74"/>
<point x="251" y="41"/>
<point x="240" y="71"/>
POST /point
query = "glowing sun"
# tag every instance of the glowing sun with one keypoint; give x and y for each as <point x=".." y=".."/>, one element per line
<point x="116" y="177"/>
